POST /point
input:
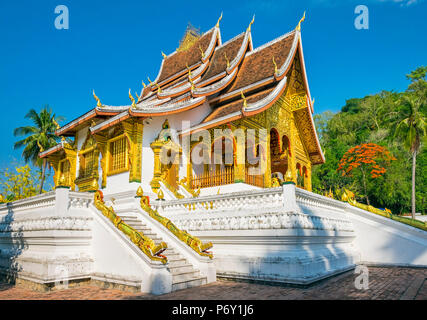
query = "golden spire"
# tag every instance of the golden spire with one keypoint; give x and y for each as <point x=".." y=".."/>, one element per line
<point x="245" y="104"/>
<point x="164" y="56"/>
<point x="217" y="23"/>
<point x="226" y="59"/>
<point x="143" y="84"/>
<point x="160" y="195"/>
<point x="275" y="66"/>
<point x="98" y="103"/>
<point x="201" y="51"/>
<point x="139" y="192"/>
<point x="249" y="27"/>
<point x="288" y="176"/>
<point x="299" y="23"/>
<point x="132" y="99"/>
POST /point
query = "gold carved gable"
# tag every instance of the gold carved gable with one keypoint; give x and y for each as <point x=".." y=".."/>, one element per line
<point x="89" y="142"/>
<point x="190" y="37"/>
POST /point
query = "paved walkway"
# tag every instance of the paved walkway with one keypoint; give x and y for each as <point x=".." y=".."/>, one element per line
<point x="389" y="283"/>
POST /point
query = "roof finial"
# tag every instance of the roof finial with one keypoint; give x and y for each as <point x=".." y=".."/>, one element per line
<point x="245" y="104"/>
<point x="189" y="76"/>
<point x="249" y="27"/>
<point x="226" y="59"/>
<point x="98" y="104"/>
<point x="201" y="51"/>
<point x="164" y="55"/>
<point x="143" y="84"/>
<point x="299" y="23"/>
<point x="151" y="83"/>
<point x="275" y="66"/>
<point x="132" y="99"/>
<point x="220" y="18"/>
<point x="136" y="93"/>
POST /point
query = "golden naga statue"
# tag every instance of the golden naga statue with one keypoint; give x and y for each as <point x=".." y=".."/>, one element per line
<point x="183" y="182"/>
<point x="348" y="196"/>
<point x="275" y="182"/>
<point x="193" y="242"/>
<point x="146" y="244"/>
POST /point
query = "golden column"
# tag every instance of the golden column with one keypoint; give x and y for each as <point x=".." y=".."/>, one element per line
<point x="239" y="159"/>
<point x="267" y="174"/>
<point x="101" y="141"/>
<point x="292" y="139"/>
<point x="156" y="146"/>
<point x="134" y="131"/>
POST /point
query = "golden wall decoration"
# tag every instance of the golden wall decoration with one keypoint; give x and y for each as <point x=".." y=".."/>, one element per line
<point x="189" y="39"/>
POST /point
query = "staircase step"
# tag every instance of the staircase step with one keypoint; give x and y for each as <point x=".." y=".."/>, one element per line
<point x="177" y="262"/>
<point x="188" y="284"/>
<point x="175" y="270"/>
<point x="185" y="276"/>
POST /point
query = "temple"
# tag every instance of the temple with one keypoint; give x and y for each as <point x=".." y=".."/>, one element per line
<point x="205" y="173"/>
<point x="206" y="84"/>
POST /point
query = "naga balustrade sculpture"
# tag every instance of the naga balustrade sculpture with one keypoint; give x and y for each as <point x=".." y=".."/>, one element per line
<point x="146" y="244"/>
<point x="193" y="242"/>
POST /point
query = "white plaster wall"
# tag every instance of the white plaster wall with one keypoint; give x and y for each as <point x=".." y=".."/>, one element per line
<point x="117" y="258"/>
<point x="384" y="241"/>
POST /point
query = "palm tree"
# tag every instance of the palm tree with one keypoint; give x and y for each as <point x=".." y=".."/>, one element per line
<point x="411" y="127"/>
<point x="40" y="137"/>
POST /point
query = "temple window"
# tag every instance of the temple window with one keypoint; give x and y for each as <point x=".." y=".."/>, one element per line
<point x="87" y="163"/>
<point x="286" y="145"/>
<point x="118" y="155"/>
<point x="300" y="177"/>
<point x="64" y="169"/>
<point x="274" y="142"/>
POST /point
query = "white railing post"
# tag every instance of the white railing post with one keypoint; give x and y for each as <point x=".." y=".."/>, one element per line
<point x="61" y="201"/>
<point x="289" y="197"/>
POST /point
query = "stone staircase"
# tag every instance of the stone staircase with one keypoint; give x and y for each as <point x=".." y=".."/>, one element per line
<point x="184" y="275"/>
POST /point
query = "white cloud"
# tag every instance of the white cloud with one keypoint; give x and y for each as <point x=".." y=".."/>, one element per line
<point x="403" y="3"/>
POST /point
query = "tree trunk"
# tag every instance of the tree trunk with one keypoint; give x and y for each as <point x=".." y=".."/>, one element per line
<point x="414" y="160"/>
<point x="364" y="185"/>
<point x="43" y="174"/>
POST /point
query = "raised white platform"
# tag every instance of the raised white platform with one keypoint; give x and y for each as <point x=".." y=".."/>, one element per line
<point x="282" y="234"/>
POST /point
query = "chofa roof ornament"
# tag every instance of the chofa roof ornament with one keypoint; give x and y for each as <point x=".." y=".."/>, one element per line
<point x="298" y="28"/>
<point x="98" y="103"/>
<point x="250" y="24"/>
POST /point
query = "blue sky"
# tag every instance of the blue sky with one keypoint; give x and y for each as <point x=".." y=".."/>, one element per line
<point x="112" y="47"/>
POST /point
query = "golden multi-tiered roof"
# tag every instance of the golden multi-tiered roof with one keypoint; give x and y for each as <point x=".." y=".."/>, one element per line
<point x="235" y="79"/>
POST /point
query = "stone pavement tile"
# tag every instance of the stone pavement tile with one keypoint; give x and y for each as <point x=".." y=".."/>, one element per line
<point x="384" y="283"/>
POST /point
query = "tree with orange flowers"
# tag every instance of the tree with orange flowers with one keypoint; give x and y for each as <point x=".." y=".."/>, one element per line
<point x="369" y="159"/>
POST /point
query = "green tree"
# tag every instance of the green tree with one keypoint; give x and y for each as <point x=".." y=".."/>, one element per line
<point x="39" y="137"/>
<point x="18" y="184"/>
<point x="411" y="128"/>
